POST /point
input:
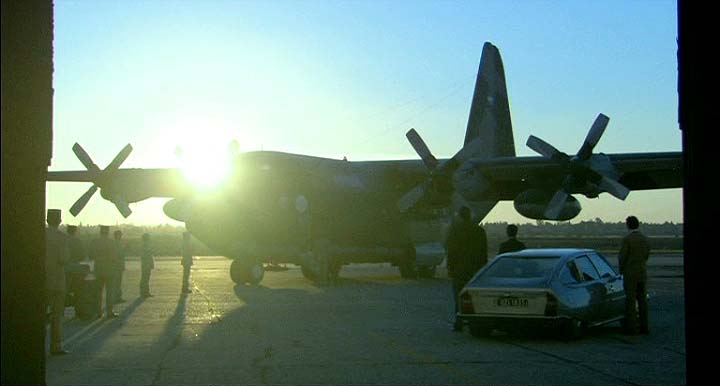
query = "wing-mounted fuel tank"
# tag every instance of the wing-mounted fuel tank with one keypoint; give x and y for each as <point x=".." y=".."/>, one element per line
<point x="533" y="203"/>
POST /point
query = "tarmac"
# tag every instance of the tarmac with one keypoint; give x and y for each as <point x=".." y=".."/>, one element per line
<point x="373" y="327"/>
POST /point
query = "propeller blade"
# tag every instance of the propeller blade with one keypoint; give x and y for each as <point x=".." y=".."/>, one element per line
<point x="613" y="187"/>
<point x="123" y="207"/>
<point x="543" y="148"/>
<point x="421" y="148"/>
<point x="83" y="200"/>
<point x="84" y="158"/>
<point x="556" y="205"/>
<point x="593" y="137"/>
<point x="409" y="199"/>
<point x="120" y="158"/>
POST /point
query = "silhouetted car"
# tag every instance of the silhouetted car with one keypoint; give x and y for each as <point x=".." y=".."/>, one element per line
<point x="569" y="289"/>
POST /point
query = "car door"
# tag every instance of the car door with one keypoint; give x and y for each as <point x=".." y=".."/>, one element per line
<point x="613" y="282"/>
<point x="594" y="309"/>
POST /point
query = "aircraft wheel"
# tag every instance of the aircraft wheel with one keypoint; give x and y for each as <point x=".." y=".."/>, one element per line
<point x="255" y="273"/>
<point x="246" y="271"/>
<point x="236" y="271"/>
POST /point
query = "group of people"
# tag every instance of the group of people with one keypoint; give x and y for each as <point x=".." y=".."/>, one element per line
<point x="65" y="250"/>
<point x="467" y="252"/>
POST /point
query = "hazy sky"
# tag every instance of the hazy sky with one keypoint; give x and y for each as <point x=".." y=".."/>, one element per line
<point x="331" y="78"/>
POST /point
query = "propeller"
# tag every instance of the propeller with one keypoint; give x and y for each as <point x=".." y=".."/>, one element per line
<point x="436" y="169"/>
<point x="580" y="169"/>
<point x="100" y="178"/>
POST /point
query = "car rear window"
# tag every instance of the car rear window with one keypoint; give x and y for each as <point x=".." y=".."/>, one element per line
<point x="522" y="267"/>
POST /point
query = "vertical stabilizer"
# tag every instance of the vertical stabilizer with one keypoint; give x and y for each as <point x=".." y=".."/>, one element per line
<point x="490" y="112"/>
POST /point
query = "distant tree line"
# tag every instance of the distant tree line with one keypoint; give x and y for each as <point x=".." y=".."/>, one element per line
<point x="167" y="239"/>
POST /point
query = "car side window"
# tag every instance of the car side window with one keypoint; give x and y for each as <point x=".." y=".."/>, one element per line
<point x="587" y="269"/>
<point x="569" y="274"/>
<point x="602" y="266"/>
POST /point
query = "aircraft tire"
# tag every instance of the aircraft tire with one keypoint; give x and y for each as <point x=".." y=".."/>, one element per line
<point x="246" y="271"/>
<point x="236" y="272"/>
<point x="255" y="273"/>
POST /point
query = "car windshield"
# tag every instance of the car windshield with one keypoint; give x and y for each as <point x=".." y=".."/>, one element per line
<point x="522" y="267"/>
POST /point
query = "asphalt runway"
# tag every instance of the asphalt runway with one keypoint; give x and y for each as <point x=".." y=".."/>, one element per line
<point x="373" y="327"/>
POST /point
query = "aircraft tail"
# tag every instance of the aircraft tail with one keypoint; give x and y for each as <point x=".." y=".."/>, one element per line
<point x="490" y="111"/>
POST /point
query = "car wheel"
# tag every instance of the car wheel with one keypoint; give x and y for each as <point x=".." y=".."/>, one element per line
<point x="574" y="329"/>
<point x="480" y="330"/>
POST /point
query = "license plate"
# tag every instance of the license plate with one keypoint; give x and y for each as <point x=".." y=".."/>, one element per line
<point x="511" y="301"/>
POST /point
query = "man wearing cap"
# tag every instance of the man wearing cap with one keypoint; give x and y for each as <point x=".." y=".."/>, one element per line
<point x="103" y="252"/>
<point x="56" y="255"/>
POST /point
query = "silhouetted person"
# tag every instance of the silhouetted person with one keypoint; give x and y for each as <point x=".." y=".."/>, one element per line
<point x="120" y="252"/>
<point x="74" y="271"/>
<point x="147" y="264"/>
<point x="56" y="256"/>
<point x="632" y="259"/>
<point x="78" y="252"/>
<point x="103" y="252"/>
<point x="512" y="244"/>
<point x="186" y="261"/>
<point x="466" y="247"/>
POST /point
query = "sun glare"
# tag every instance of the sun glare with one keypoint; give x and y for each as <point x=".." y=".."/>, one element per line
<point x="206" y="169"/>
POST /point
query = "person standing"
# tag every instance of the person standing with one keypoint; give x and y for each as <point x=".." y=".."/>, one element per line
<point x="75" y="245"/>
<point x="186" y="261"/>
<point x="103" y="253"/>
<point x="632" y="259"/>
<point x="56" y="256"/>
<point x="147" y="264"/>
<point x="120" y="252"/>
<point x="466" y="246"/>
<point x="74" y="270"/>
<point x="512" y="244"/>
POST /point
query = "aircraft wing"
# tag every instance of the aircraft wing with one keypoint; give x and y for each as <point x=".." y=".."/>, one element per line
<point x="508" y="176"/>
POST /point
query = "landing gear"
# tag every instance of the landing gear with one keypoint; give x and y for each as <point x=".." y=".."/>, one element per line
<point x="247" y="271"/>
<point x="320" y="266"/>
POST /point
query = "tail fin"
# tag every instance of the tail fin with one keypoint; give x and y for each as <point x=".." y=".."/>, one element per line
<point x="490" y="112"/>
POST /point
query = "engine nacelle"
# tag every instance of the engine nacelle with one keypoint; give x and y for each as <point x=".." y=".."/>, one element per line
<point x="532" y="203"/>
<point x="469" y="182"/>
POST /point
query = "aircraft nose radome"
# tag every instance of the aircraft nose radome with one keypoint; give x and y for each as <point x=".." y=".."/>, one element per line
<point x="177" y="209"/>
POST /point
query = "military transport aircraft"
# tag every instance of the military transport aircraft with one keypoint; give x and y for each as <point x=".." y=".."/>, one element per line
<point x="323" y="213"/>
